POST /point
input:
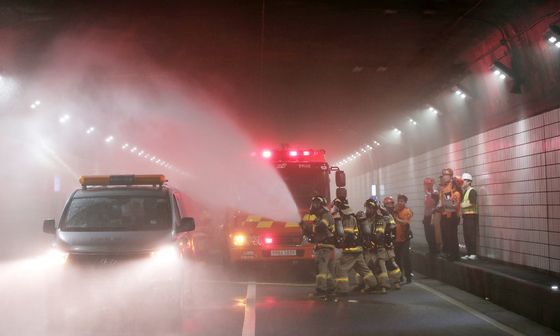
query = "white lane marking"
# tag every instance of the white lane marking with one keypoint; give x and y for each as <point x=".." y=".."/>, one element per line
<point x="250" y="313"/>
<point x="470" y="310"/>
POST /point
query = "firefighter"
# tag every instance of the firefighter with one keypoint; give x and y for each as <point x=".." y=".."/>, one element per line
<point x="388" y="253"/>
<point x="318" y="228"/>
<point x="429" y="207"/>
<point x="450" y="207"/>
<point x="352" y="258"/>
<point x="403" y="216"/>
<point x="372" y="224"/>
<point x="469" y="211"/>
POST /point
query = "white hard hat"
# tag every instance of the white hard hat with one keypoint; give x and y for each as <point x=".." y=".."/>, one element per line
<point x="467" y="176"/>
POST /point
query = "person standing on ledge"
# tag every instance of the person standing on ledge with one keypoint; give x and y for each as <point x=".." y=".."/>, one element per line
<point x="469" y="211"/>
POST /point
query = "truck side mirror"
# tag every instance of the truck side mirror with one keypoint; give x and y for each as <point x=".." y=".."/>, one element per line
<point x="340" y="178"/>
<point x="187" y="224"/>
<point x="49" y="226"/>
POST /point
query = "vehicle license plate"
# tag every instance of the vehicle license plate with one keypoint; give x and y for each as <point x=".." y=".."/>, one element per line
<point x="282" y="253"/>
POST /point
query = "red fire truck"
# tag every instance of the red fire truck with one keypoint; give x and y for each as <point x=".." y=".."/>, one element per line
<point x="254" y="238"/>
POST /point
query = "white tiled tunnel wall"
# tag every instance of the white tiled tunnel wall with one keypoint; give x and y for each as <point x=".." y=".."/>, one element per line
<point x="516" y="170"/>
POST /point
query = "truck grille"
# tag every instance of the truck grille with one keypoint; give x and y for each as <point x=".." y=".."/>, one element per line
<point x="93" y="260"/>
<point x="289" y="240"/>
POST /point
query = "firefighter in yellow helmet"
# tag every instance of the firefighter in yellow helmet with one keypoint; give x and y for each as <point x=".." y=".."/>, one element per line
<point x="388" y="252"/>
<point x="318" y="228"/>
<point x="372" y="224"/>
<point x="350" y="241"/>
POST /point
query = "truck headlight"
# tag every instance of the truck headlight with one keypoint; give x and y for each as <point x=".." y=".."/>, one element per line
<point x="166" y="253"/>
<point x="239" y="239"/>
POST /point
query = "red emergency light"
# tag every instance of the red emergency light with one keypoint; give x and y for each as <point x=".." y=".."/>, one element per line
<point x="268" y="240"/>
<point x="294" y="155"/>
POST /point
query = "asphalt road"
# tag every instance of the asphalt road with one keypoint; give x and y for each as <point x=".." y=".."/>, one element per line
<point x="249" y="301"/>
<point x="267" y="301"/>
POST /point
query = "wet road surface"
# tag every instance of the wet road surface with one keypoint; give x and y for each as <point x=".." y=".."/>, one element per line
<point x="253" y="301"/>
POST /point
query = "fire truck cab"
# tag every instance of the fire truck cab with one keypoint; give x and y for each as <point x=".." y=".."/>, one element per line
<point x="253" y="238"/>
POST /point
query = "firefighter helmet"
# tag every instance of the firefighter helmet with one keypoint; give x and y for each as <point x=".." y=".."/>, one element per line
<point x="371" y="206"/>
<point x="370" y="202"/>
<point x="467" y="176"/>
<point x="447" y="171"/>
<point x="318" y="202"/>
<point x="387" y="200"/>
<point x="340" y="203"/>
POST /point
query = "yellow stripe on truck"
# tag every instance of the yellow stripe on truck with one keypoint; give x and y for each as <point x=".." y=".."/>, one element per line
<point x="253" y="218"/>
<point x="291" y="224"/>
<point x="264" y="224"/>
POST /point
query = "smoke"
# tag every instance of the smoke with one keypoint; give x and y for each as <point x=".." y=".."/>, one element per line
<point x="95" y="80"/>
<point x="102" y="80"/>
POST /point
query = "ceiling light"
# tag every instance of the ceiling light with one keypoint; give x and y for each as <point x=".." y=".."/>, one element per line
<point x="109" y="139"/>
<point x="552" y="35"/>
<point x="125" y="146"/>
<point x="396" y="130"/>
<point x="90" y="130"/>
<point x="500" y="70"/>
<point x="460" y="91"/>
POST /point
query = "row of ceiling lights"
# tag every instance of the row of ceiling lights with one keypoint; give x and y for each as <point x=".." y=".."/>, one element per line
<point x="64" y="119"/>
<point x="396" y="131"/>
<point x="501" y="71"/>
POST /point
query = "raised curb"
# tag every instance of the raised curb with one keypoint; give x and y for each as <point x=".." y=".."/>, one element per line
<point x="534" y="301"/>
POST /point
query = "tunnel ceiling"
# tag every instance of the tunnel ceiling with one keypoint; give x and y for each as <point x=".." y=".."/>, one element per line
<point x="312" y="73"/>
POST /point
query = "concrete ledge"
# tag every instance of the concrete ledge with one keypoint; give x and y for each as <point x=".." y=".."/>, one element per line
<point x="532" y="300"/>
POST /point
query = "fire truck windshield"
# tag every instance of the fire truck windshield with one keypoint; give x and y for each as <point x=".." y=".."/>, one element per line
<point x="304" y="182"/>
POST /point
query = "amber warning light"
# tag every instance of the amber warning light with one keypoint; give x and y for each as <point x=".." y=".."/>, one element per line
<point x="105" y="180"/>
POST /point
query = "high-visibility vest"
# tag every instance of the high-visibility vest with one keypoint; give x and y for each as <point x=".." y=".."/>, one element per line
<point x="466" y="207"/>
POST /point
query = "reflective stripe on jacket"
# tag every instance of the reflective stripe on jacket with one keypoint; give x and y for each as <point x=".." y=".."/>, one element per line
<point x="466" y="207"/>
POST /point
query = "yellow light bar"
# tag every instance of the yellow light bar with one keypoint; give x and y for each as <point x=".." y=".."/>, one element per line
<point x="105" y="180"/>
